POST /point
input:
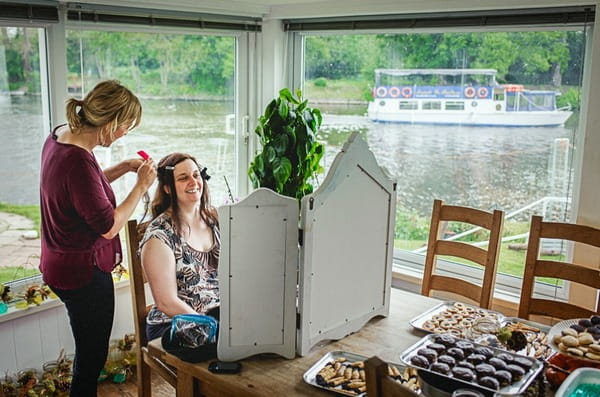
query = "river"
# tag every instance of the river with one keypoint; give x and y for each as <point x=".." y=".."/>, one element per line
<point x="484" y="167"/>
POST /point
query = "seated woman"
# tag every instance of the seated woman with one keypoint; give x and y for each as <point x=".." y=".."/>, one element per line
<point x="181" y="245"/>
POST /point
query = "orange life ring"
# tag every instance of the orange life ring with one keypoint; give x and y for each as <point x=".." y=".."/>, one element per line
<point x="406" y="92"/>
<point x="482" y="92"/>
<point x="469" y="92"/>
<point x="381" y="92"/>
<point x="394" y="92"/>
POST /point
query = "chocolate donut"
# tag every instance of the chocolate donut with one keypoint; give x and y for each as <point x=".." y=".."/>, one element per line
<point x="486" y="351"/>
<point x="489" y="382"/>
<point x="476" y="358"/>
<point x="421" y="361"/>
<point x="516" y="371"/>
<point x="457" y="353"/>
<point x="429" y="354"/>
<point x="504" y="377"/>
<point x="445" y="339"/>
<point x="438" y="347"/>
<point x="497" y="363"/>
<point x="463" y="373"/>
<point x="441" y="368"/>
<point x="485" y="370"/>
<point x="465" y="364"/>
<point x="467" y="347"/>
<point x="507" y="358"/>
<point x="523" y="362"/>
<point x="446" y="359"/>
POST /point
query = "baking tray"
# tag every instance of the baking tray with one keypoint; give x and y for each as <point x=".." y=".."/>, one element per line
<point x="515" y="388"/>
<point x="310" y="376"/>
<point x="457" y="329"/>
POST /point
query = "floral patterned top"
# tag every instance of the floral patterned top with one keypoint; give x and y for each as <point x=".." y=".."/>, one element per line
<point x="196" y="271"/>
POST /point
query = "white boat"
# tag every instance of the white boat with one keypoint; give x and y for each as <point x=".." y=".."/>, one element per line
<point x="460" y="96"/>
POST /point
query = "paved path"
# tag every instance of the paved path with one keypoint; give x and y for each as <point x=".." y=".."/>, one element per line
<point x="19" y="244"/>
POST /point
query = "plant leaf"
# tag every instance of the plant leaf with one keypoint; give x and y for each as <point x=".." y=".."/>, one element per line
<point x="270" y="152"/>
<point x="283" y="110"/>
<point x="282" y="169"/>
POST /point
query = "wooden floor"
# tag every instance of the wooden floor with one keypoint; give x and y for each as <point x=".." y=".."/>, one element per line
<point x="160" y="388"/>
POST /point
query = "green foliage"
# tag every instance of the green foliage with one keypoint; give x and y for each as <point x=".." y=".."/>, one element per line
<point x="290" y="153"/>
<point x="320" y="82"/>
<point x="28" y="211"/>
<point x="572" y="97"/>
<point x="410" y="225"/>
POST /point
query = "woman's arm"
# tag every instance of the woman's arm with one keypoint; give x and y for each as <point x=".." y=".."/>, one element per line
<point x="158" y="262"/>
<point x="118" y="170"/>
<point x="146" y="173"/>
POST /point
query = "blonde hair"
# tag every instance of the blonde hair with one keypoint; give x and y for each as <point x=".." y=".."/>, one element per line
<point x="108" y="105"/>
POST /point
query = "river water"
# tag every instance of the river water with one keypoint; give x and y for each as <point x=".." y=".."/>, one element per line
<point x="504" y="168"/>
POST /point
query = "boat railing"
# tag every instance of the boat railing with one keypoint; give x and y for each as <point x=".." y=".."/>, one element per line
<point x="544" y="201"/>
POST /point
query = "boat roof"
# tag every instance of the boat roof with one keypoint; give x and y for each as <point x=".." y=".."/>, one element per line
<point x="451" y="72"/>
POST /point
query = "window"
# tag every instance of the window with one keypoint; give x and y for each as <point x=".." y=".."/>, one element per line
<point x="23" y="122"/>
<point x="432" y="105"/>
<point x="186" y="83"/>
<point x="454" y="105"/>
<point x="522" y="169"/>
<point x="408" y="105"/>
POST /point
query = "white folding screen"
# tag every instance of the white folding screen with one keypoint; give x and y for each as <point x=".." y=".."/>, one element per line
<point x="258" y="276"/>
<point x="348" y="226"/>
<point x="343" y="278"/>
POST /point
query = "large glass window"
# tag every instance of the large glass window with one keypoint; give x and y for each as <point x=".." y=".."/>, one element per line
<point x="22" y="122"/>
<point x="186" y="85"/>
<point x="495" y="153"/>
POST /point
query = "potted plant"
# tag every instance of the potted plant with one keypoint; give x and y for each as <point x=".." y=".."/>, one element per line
<point x="290" y="155"/>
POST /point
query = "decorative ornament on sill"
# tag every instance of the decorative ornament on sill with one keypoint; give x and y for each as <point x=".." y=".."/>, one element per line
<point x="120" y="272"/>
<point x="5" y="297"/>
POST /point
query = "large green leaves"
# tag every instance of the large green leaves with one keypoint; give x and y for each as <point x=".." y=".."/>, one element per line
<point x="290" y="154"/>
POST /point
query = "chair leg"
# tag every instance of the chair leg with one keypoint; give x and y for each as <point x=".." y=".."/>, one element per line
<point x="144" y="379"/>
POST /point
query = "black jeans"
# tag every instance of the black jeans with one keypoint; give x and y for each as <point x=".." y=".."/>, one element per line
<point x="91" y="312"/>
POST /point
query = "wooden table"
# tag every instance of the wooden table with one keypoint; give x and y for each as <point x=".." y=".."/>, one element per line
<point x="275" y="377"/>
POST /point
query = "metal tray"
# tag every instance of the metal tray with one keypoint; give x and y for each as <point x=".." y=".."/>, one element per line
<point x="419" y="321"/>
<point x="512" y="389"/>
<point x="310" y="376"/>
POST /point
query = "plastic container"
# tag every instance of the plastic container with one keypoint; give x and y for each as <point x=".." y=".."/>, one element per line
<point x="579" y="377"/>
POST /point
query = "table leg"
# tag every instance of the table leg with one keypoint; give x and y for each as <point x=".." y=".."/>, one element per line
<point x="185" y="384"/>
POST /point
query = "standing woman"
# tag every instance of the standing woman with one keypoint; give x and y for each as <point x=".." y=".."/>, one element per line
<point x="181" y="246"/>
<point x="81" y="221"/>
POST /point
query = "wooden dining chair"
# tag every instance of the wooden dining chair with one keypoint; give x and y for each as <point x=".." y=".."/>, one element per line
<point x="150" y="359"/>
<point x="380" y="384"/>
<point x="488" y="258"/>
<point x="567" y="271"/>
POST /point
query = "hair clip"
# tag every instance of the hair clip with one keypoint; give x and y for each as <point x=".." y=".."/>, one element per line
<point x="169" y="168"/>
<point x="204" y="175"/>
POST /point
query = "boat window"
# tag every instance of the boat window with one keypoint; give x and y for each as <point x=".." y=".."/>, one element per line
<point x="408" y="105"/>
<point x="431" y="105"/>
<point x="454" y="105"/>
<point x="486" y="157"/>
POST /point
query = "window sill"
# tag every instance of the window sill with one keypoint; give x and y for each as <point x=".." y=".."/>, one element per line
<point x="14" y="313"/>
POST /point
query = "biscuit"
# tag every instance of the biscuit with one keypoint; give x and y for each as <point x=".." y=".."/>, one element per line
<point x="575" y="351"/>
<point x="594" y="347"/>
<point x="569" y="331"/>
<point x="585" y="338"/>
<point x="592" y="356"/>
<point x="570" y="341"/>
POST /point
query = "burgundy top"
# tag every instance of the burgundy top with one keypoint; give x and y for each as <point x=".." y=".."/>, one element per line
<point x="77" y="206"/>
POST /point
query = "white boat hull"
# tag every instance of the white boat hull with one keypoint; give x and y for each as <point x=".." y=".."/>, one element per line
<point x="475" y="116"/>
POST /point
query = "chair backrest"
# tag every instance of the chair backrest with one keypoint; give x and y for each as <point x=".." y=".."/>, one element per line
<point x="380" y="384"/>
<point x="487" y="258"/>
<point x="137" y="280"/>
<point x="568" y="271"/>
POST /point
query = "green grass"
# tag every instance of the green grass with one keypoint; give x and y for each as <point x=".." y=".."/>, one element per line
<point x="342" y="89"/>
<point x="510" y="261"/>
<point x="28" y="211"/>
<point x="15" y="272"/>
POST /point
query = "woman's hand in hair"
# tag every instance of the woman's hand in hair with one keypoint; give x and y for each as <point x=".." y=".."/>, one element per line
<point x="146" y="173"/>
<point x="134" y="164"/>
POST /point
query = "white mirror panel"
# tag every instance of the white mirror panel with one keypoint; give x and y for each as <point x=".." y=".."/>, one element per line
<point x="258" y="276"/>
<point x="348" y="224"/>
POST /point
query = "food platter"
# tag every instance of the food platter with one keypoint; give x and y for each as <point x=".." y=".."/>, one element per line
<point x="586" y="353"/>
<point x="452" y="317"/>
<point x="536" y="334"/>
<point x="354" y="362"/>
<point x="513" y="386"/>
